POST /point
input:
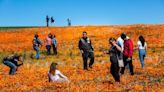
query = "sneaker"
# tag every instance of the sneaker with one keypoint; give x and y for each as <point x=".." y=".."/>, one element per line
<point x="132" y="74"/>
<point x="86" y="69"/>
<point x="120" y="74"/>
<point x="90" y="67"/>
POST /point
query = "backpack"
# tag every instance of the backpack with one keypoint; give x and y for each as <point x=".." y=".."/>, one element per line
<point x="35" y="42"/>
<point x="9" y="58"/>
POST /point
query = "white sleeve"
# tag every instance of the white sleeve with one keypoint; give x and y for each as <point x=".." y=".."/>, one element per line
<point x="60" y="74"/>
<point x="145" y="45"/>
<point x="120" y="42"/>
<point x="50" y="76"/>
<point x="117" y="39"/>
<point x="138" y="44"/>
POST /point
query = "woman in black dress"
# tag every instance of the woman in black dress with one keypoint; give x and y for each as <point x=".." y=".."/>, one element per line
<point x="113" y="52"/>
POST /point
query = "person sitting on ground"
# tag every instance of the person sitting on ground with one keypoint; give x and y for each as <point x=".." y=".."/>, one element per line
<point x="13" y="61"/>
<point x="55" y="75"/>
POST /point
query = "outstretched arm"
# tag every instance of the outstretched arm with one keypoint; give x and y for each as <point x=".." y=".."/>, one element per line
<point x="118" y="47"/>
<point x="64" y="77"/>
<point x="61" y="75"/>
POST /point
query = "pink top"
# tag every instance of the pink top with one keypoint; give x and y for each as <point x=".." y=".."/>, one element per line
<point x="48" y="41"/>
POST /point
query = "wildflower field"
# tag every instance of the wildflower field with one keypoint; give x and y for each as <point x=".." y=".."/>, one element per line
<point x="32" y="76"/>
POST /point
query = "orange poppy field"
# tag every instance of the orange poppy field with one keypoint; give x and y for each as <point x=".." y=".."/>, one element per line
<point x="32" y="76"/>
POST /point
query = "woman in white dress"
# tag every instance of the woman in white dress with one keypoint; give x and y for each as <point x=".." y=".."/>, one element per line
<point x="55" y="75"/>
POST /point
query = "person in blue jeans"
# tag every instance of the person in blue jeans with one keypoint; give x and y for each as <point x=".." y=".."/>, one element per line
<point x="36" y="43"/>
<point x="13" y="61"/>
<point x="142" y="47"/>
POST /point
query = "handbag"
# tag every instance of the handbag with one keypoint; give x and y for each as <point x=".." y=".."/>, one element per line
<point x="120" y="61"/>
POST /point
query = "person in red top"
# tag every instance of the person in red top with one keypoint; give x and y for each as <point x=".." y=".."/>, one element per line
<point x="127" y="53"/>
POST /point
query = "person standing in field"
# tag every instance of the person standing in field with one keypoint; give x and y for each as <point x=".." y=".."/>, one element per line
<point x="69" y="22"/>
<point x="113" y="52"/>
<point x="127" y="53"/>
<point x="47" y="20"/>
<point x="120" y="42"/>
<point x="142" y="48"/>
<point x="52" y="20"/>
<point x="48" y="43"/>
<point x="86" y="48"/>
<point x="54" y="44"/>
<point x="13" y="61"/>
<point x="36" y="43"/>
<point x="55" y="75"/>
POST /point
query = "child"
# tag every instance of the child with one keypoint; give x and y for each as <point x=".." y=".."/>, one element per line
<point x="13" y="61"/>
<point x="55" y="75"/>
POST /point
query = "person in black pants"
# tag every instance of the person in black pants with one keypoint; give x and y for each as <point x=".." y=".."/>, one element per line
<point x="113" y="52"/>
<point x="86" y="49"/>
<point x="127" y="54"/>
<point x="47" y="20"/>
<point x="54" y="44"/>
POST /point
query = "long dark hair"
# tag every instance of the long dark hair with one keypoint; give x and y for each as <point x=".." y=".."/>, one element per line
<point x="53" y="68"/>
<point x="141" y="38"/>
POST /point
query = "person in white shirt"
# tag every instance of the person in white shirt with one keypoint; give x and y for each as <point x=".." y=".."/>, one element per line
<point x="120" y="41"/>
<point x="142" y="47"/>
<point x="55" y="75"/>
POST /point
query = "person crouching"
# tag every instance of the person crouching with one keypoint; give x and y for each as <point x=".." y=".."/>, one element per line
<point x="13" y="61"/>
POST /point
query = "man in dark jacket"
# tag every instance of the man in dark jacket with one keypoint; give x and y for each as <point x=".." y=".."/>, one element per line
<point x="47" y="20"/>
<point x="86" y="49"/>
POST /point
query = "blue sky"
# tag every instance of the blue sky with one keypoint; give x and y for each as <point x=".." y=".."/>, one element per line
<point x="81" y="12"/>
